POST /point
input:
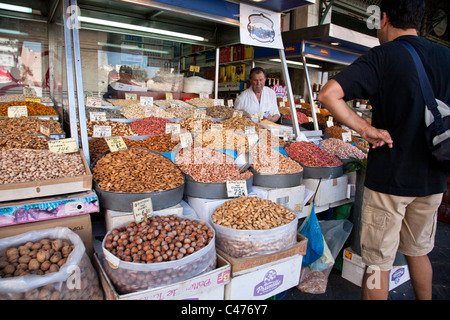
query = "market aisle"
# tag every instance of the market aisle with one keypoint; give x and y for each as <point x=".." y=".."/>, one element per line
<point x="340" y="289"/>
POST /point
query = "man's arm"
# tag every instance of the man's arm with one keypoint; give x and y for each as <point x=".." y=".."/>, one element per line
<point x="332" y="97"/>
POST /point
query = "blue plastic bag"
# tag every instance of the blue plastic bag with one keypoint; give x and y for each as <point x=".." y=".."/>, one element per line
<point x="311" y="230"/>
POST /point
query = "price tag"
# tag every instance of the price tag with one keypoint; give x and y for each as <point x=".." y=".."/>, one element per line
<point x="238" y="114"/>
<point x="36" y="100"/>
<point x="186" y="139"/>
<point x="281" y="104"/>
<point x="150" y="112"/>
<point x="236" y="188"/>
<point x="17" y="111"/>
<point x="285" y="99"/>
<point x="142" y="209"/>
<point x="216" y="127"/>
<point x="346" y="136"/>
<point x="310" y="119"/>
<point x="116" y="143"/>
<point x="359" y="114"/>
<point x="204" y="96"/>
<point x="194" y="69"/>
<point x="218" y="102"/>
<point x="94" y="102"/>
<point x="287" y="135"/>
<point x="330" y="123"/>
<point x="29" y="92"/>
<point x="258" y="116"/>
<point x="68" y="145"/>
<point x="97" y="116"/>
<point x="169" y="96"/>
<point x="146" y="101"/>
<point x="44" y="130"/>
<point x="230" y="103"/>
<point x="101" y="131"/>
<point x="252" y="139"/>
<point x="172" y="128"/>
<point x="130" y="96"/>
<point x="199" y="113"/>
<point x="250" y="129"/>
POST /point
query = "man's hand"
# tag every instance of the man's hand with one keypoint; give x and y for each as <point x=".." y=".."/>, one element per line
<point x="377" y="137"/>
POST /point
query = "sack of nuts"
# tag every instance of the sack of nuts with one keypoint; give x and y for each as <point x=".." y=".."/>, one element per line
<point x="49" y="264"/>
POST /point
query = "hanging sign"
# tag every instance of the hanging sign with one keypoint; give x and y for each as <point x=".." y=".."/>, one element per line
<point x="260" y="27"/>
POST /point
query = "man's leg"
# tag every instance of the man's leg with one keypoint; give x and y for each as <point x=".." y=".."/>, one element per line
<point x="375" y="285"/>
<point x="421" y="273"/>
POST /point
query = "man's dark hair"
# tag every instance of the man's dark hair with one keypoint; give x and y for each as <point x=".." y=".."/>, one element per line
<point x="404" y="14"/>
<point x="256" y="70"/>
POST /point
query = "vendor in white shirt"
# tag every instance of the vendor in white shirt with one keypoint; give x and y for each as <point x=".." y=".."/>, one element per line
<point x="258" y="98"/>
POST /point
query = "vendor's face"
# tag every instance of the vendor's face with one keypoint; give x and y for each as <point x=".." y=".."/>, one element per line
<point x="257" y="82"/>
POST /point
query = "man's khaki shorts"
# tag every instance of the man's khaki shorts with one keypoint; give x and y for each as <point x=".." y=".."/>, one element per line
<point x="390" y="223"/>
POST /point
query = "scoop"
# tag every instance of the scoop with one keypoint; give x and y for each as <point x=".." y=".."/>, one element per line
<point x="243" y="160"/>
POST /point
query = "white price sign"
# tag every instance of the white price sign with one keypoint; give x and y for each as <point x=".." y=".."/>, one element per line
<point x="250" y="129"/>
<point x="146" y="101"/>
<point x="346" y="136"/>
<point x="238" y="114"/>
<point x="186" y="139"/>
<point x="142" y="209"/>
<point x="218" y="102"/>
<point x="216" y="126"/>
<point x="68" y="145"/>
<point x="97" y="116"/>
<point x="287" y="135"/>
<point x="94" y="102"/>
<point x="102" y="131"/>
<point x="17" y="111"/>
<point x="236" y="188"/>
<point x="172" y="128"/>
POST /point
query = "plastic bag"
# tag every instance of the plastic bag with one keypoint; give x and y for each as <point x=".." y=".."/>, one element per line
<point x="76" y="279"/>
<point x="310" y="228"/>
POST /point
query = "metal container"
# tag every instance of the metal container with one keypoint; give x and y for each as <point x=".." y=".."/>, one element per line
<point x="209" y="190"/>
<point x="322" y="172"/>
<point x="282" y="180"/>
<point x="122" y="201"/>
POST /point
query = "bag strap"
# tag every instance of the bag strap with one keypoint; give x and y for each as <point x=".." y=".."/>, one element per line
<point x="427" y="91"/>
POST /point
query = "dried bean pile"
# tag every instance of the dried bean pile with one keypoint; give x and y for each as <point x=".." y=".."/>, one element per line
<point x="220" y="112"/>
<point x="162" y="143"/>
<point x="209" y="166"/>
<point x="252" y="213"/>
<point x="311" y="155"/>
<point x="27" y="125"/>
<point x="196" y="125"/>
<point x="136" y="170"/>
<point x="24" y="165"/>
<point x="20" y="141"/>
<point x="150" y="126"/>
<point x="342" y="149"/>
<point x="33" y="108"/>
<point x="117" y="128"/>
<point x="336" y="132"/>
<point x="301" y="117"/>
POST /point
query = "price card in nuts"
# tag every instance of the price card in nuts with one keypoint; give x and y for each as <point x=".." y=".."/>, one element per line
<point x="68" y="145"/>
<point x="218" y="102"/>
<point x="238" y="114"/>
<point x="236" y="188"/>
<point x="142" y="209"/>
<point x="116" y="143"/>
<point x="102" y="131"/>
<point x="200" y="113"/>
<point x="146" y="101"/>
<point x="186" y="139"/>
<point x="94" y="102"/>
<point x="17" y="111"/>
<point x="130" y="96"/>
<point x="172" y="128"/>
<point x="97" y="116"/>
<point x="45" y="130"/>
<point x="287" y="135"/>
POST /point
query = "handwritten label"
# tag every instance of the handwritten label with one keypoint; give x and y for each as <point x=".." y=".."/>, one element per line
<point x="17" y="111"/>
<point x="97" y="116"/>
<point x="116" y="143"/>
<point x="200" y="113"/>
<point x="238" y="114"/>
<point x="36" y="100"/>
<point x="216" y="126"/>
<point x="252" y="139"/>
<point x="142" y="209"/>
<point x="346" y="136"/>
<point x="130" y="96"/>
<point x="172" y="128"/>
<point x="150" y="112"/>
<point x="29" y="92"/>
<point x="230" y="103"/>
<point x="236" y="188"/>
<point x="204" y="96"/>
<point x="169" y="96"/>
<point x="186" y="139"/>
<point x="330" y="123"/>
<point x="287" y="135"/>
<point x="194" y="69"/>
<point x="146" y="101"/>
<point x="218" y="102"/>
<point x="68" y="145"/>
<point x="101" y="131"/>
<point x="44" y="130"/>
<point x="250" y="129"/>
<point x="94" y="102"/>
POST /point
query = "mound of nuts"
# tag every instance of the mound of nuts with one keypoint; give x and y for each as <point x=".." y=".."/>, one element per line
<point x="27" y="125"/>
<point x="221" y="139"/>
<point x="41" y="257"/>
<point x="117" y="128"/>
<point x="196" y="125"/>
<point x="24" y="165"/>
<point x="153" y="242"/>
<point x="136" y="170"/>
<point x="311" y="155"/>
<point x="150" y="126"/>
<point x="252" y="213"/>
<point x="201" y="102"/>
<point x="239" y="123"/>
<point x="342" y="149"/>
<point x="20" y="141"/>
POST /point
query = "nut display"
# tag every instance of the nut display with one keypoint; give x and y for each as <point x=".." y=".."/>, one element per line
<point x="138" y="111"/>
<point x="24" y="165"/>
<point x="239" y="123"/>
<point x="150" y="126"/>
<point x="169" y="103"/>
<point x="336" y="132"/>
<point x="201" y="102"/>
<point x="123" y="102"/>
<point x="249" y="226"/>
<point x="311" y="155"/>
<point x="27" y="125"/>
<point x="33" y="108"/>
<point x="221" y="139"/>
<point x="301" y="117"/>
<point x="117" y="128"/>
<point x="159" y="251"/>
<point x="109" y="113"/>
<point x="220" y="112"/>
<point x="196" y="125"/>
<point x="21" y="97"/>
<point x="342" y="149"/>
<point x="270" y="161"/>
<point x="162" y="143"/>
<point x="209" y="166"/>
<point x="20" y="141"/>
<point x="136" y="170"/>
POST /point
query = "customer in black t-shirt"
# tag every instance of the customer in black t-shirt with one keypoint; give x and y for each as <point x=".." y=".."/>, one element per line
<point x="403" y="185"/>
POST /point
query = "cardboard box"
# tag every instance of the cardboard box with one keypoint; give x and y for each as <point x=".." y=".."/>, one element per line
<point x="263" y="276"/>
<point x="204" y="207"/>
<point x="329" y="191"/>
<point x="115" y="219"/>
<point x="353" y="270"/>
<point x="80" y="224"/>
<point x="38" y="209"/>
<point x="46" y="188"/>
<point x="291" y="198"/>
<point x="206" y="286"/>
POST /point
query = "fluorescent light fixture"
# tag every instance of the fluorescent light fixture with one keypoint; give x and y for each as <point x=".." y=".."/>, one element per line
<point x="11" y="7"/>
<point x="297" y="63"/>
<point x="13" y="32"/>
<point x="130" y="47"/>
<point x="139" y="28"/>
